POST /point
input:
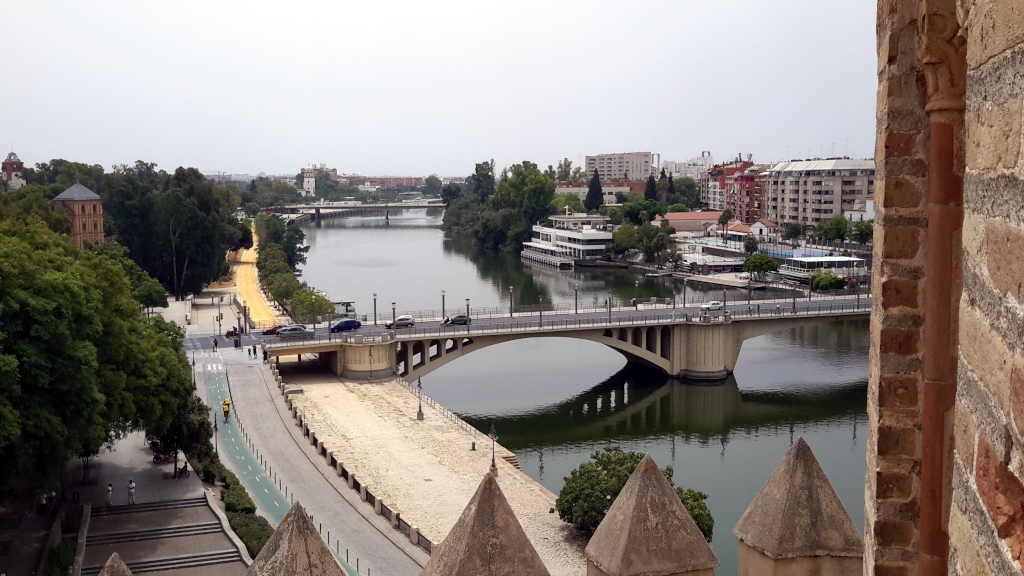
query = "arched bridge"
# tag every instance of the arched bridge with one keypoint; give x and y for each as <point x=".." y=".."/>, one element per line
<point x="677" y="343"/>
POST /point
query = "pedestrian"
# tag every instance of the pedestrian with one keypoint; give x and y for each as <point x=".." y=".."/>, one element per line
<point x="131" y="491"/>
<point x="110" y="494"/>
<point x="248" y="352"/>
<point x="42" y="504"/>
<point x="264" y="356"/>
<point x="254" y="354"/>
<point x="214" y="344"/>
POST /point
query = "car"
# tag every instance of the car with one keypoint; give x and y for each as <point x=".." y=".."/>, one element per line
<point x="713" y="305"/>
<point x="346" y="324"/>
<point x="273" y="329"/>
<point x="295" y="331"/>
<point x="403" y="321"/>
<point x="460" y="319"/>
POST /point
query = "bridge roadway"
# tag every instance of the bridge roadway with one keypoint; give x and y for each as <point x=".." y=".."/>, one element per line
<point x="678" y="342"/>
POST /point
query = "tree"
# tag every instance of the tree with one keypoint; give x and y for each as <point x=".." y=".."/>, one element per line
<point x="750" y="245"/>
<point x="432" y="185"/>
<point x="792" y="230"/>
<point x="643" y="211"/>
<point x="309" y="303"/>
<point x="481" y="181"/>
<point x="760" y="264"/>
<point x="624" y="238"/>
<point x="595" y="197"/>
<point x="825" y="280"/>
<point x="571" y="200"/>
<point x="677" y="208"/>
<point x="838" y="228"/>
<point x="864" y="231"/>
<point x="651" y="189"/>
<point x="564" y="171"/>
<point x="590" y="489"/>
<point x="79" y="364"/>
<point x="450" y="192"/>
<point x="723" y="221"/>
<point x="688" y="191"/>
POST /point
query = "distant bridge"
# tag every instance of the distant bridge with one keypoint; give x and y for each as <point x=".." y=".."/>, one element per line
<point x="678" y="343"/>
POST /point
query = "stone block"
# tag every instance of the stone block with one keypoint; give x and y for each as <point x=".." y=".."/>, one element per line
<point x="899" y="292"/>
<point x="962" y="540"/>
<point x="894" y="486"/>
<point x="894" y="569"/>
<point x="895" y="534"/>
<point x="1003" y="496"/>
<point x="985" y="353"/>
<point x="993" y="136"/>
<point x="994" y="27"/>
<point x="900" y="341"/>
<point x="973" y="236"/>
<point x="900" y="242"/>
<point x="898" y="392"/>
<point x="897" y="441"/>
<point x="901" y="144"/>
<point x="414" y="534"/>
<point x="965" y="432"/>
<point x="1017" y="397"/>
<point x="1005" y="246"/>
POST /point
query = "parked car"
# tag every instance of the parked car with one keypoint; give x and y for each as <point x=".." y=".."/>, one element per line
<point x="295" y="331"/>
<point x="346" y="324"/>
<point x="273" y="329"/>
<point x="461" y="319"/>
<point x="713" y="305"/>
<point x="403" y="321"/>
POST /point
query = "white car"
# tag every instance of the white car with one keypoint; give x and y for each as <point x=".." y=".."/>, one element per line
<point x="403" y="321"/>
<point x="713" y="305"/>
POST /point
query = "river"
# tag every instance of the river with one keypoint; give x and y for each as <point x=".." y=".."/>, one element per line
<point x="554" y="400"/>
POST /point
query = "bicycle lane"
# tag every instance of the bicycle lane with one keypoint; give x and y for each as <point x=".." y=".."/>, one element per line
<point x="241" y="458"/>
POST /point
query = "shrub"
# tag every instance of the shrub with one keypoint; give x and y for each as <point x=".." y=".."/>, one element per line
<point x="236" y="499"/>
<point x="253" y="530"/>
<point x="59" y="559"/>
<point x="590" y="489"/>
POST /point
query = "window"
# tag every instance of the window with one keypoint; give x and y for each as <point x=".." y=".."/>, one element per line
<point x="83" y="223"/>
<point x="93" y="208"/>
<point x="83" y="208"/>
<point x="95" y="227"/>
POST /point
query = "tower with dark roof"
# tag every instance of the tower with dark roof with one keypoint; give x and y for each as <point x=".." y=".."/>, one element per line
<point x="84" y="208"/>
<point x="12" y="174"/>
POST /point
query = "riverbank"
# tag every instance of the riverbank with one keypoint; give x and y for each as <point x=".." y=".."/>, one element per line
<point x="426" y="468"/>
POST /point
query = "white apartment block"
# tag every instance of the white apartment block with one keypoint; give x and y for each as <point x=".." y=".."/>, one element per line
<point x="813" y="191"/>
<point x="692" y="168"/>
<point x="631" y="165"/>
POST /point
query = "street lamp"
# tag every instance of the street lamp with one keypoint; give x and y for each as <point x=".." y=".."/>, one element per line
<point x="509" y="301"/>
<point x="419" y="411"/>
<point x="245" y="317"/>
<point x="374" y="308"/>
<point x="467" y="309"/>
<point x="636" y="296"/>
<point x="540" y="307"/>
<point x="371" y="365"/>
<point x="493" y="435"/>
<point x="392" y="314"/>
<point x="577" y="298"/>
<point x="442" y="304"/>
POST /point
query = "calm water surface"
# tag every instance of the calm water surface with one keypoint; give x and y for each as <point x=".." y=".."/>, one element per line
<point x="554" y="400"/>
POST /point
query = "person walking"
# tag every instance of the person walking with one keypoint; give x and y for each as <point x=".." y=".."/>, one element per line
<point x="214" y="344"/>
<point x="110" y="494"/>
<point x="131" y="491"/>
<point x="248" y="352"/>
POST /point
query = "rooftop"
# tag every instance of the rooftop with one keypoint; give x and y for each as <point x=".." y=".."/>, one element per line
<point x="817" y="165"/>
<point x="77" y="192"/>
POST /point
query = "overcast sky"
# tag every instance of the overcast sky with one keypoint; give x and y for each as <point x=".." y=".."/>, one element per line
<point x="413" y="88"/>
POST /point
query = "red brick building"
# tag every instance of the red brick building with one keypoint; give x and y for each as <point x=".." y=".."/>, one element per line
<point x="743" y="194"/>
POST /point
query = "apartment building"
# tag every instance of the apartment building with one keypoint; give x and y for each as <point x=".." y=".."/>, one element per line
<point x="743" y="194"/>
<point x="715" y="183"/>
<point x="629" y="165"/>
<point x="813" y="191"/>
<point x="692" y="168"/>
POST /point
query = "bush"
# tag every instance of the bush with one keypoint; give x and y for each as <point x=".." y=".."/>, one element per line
<point x="236" y="499"/>
<point x="590" y="489"/>
<point x="825" y="280"/>
<point x="253" y="530"/>
<point x="59" y="559"/>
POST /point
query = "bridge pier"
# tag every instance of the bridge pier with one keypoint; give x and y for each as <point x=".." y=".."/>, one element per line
<point x="705" y="351"/>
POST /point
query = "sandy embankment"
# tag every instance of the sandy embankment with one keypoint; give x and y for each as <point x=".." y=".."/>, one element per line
<point x="426" y="469"/>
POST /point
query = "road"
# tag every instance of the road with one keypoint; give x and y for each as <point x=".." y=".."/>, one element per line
<point x="266" y="450"/>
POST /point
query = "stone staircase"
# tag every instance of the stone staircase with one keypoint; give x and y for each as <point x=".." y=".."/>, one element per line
<point x="174" y="562"/>
<point x="151" y="533"/>
<point x="513" y="460"/>
<point x="148" y="506"/>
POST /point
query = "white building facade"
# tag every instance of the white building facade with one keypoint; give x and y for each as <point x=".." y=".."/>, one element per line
<point x="573" y="236"/>
<point x="629" y="165"/>
<point x="693" y="168"/>
<point x="309" y="181"/>
<point x="810" y="192"/>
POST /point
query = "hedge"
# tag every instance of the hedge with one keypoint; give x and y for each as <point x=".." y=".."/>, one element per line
<point x="253" y="530"/>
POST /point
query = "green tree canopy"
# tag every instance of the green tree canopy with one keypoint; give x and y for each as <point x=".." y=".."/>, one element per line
<point x="864" y="231"/>
<point x="750" y="245"/>
<point x="651" y="189"/>
<point x="560" y="201"/>
<point x="792" y="230"/>
<point x="309" y="303"/>
<point x="79" y="363"/>
<point x="643" y="211"/>
<point x="432" y="185"/>
<point x="590" y="489"/>
<point x="837" y="228"/>
<point x="760" y="264"/>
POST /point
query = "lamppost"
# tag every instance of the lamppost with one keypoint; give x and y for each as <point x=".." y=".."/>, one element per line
<point x="509" y="301"/>
<point x="419" y="411"/>
<point x="374" y="308"/>
<point x="467" y="310"/>
<point x="493" y="435"/>
<point x="245" y="317"/>
<point x="636" y="296"/>
<point x="577" y="298"/>
<point x="609" y="300"/>
<point x="392" y="314"/>
<point x="540" y="307"/>
<point x="442" y="304"/>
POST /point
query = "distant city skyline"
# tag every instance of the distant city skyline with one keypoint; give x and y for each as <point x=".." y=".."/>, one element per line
<point x="415" y="89"/>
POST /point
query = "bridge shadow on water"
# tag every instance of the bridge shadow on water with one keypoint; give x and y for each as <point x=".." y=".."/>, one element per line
<point x="637" y="403"/>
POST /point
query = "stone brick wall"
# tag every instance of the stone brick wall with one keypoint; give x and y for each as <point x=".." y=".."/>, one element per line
<point x="986" y="517"/>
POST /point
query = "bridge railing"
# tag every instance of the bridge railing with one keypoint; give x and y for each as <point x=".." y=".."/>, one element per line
<point x="618" y="305"/>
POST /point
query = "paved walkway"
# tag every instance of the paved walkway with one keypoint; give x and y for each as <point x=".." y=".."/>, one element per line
<point x="248" y="291"/>
<point x="292" y="465"/>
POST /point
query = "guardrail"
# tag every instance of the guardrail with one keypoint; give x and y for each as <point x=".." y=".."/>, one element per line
<point x="736" y="312"/>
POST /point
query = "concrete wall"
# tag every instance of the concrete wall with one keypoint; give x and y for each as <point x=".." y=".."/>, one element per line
<point x="752" y="562"/>
<point x="985" y="527"/>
